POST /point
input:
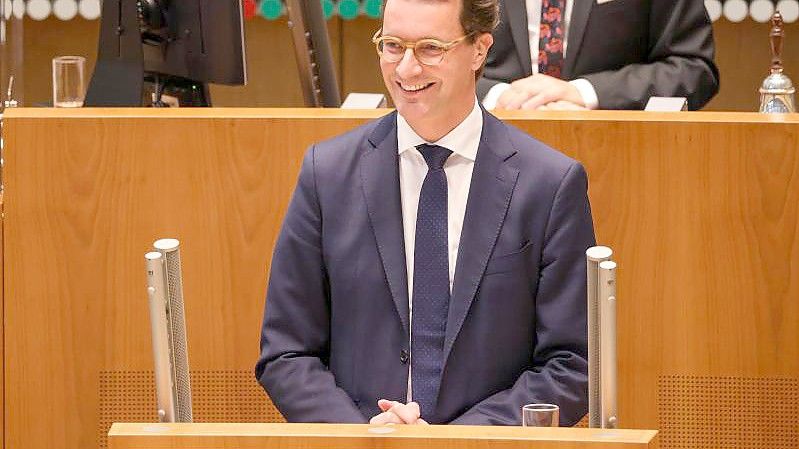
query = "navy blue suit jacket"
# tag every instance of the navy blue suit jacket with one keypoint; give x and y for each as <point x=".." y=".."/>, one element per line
<point x="336" y="322"/>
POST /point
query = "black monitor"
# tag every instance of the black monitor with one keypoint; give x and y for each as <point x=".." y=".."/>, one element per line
<point x="174" y="47"/>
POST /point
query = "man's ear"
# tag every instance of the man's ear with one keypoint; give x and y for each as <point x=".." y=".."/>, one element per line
<point x="481" y="44"/>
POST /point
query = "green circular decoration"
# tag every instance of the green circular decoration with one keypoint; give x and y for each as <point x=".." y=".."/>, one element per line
<point x="327" y="8"/>
<point x="348" y="9"/>
<point x="271" y="9"/>
<point x="372" y="8"/>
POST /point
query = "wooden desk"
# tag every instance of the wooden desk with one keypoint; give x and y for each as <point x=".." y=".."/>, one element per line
<point x="701" y="209"/>
<point x="361" y="436"/>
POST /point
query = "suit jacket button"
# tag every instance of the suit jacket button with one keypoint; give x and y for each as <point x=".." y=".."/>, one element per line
<point x="404" y="356"/>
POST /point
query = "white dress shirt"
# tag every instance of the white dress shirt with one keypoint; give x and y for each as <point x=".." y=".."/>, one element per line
<point x="463" y="142"/>
<point x="533" y="7"/>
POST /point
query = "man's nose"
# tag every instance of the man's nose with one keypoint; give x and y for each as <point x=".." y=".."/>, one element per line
<point x="408" y="66"/>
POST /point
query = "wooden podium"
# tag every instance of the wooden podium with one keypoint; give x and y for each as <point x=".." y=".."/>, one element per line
<point x="362" y="436"/>
<point x="702" y="210"/>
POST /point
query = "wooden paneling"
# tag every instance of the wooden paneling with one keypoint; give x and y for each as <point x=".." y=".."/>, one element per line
<point x="47" y="39"/>
<point x="217" y="396"/>
<point x="2" y="334"/>
<point x="88" y="197"/>
<point x="742" y="54"/>
<point x="701" y="209"/>
<point x="361" y="436"/>
<point x="703" y="220"/>
<point x="360" y="65"/>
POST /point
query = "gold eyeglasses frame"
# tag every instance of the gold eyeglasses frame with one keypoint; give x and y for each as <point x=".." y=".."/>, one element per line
<point x="445" y="46"/>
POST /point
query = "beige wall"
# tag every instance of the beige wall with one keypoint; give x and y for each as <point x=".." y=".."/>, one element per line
<point x="742" y="54"/>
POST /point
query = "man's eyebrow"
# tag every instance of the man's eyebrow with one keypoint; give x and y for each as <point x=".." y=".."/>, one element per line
<point x="423" y="38"/>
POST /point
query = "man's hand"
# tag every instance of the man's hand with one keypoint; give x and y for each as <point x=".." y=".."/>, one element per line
<point x="538" y="90"/>
<point x="397" y="413"/>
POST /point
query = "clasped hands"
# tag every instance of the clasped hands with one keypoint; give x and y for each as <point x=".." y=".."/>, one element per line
<point x="541" y="92"/>
<point x="394" y="412"/>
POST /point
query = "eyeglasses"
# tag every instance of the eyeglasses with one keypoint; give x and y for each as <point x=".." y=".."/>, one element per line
<point x="427" y="51"/>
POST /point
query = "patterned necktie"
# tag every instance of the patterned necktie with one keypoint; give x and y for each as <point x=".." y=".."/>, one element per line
<point x="550" y="44"/>
<point x="430" y="282"/>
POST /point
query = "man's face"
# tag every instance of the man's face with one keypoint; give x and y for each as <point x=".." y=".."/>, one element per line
<point x="431" y="93"/>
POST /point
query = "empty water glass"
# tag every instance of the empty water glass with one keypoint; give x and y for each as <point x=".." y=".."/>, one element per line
<point x="540" y="415"/>
<point x="68" y="87"/>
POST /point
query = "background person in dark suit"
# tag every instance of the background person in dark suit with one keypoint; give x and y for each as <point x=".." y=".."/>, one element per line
<point x="618" y="53"/>
<point x="431" y="264"/>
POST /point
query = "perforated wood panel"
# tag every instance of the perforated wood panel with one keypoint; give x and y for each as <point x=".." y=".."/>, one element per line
<point x="217" y="396"/>
<point x="728" y="412"/>
<point x="583" y="423"/>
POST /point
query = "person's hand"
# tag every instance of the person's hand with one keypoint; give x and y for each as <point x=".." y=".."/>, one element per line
<point x="538" y="90"/>
<point x="394" y="412"/>
<point x="562" y="105"/>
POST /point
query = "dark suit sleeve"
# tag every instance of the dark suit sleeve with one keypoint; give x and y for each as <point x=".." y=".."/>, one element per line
<point x="558" y="373"/>
<point x="680" y="62"/>
<point x="295" y="335"/>
<point x="503" y="63"/>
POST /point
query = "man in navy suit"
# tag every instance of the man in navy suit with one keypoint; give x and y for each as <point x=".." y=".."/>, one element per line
<point x="431" y="264"/>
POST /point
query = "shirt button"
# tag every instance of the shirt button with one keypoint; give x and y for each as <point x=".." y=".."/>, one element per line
<point x="404" y="356"/>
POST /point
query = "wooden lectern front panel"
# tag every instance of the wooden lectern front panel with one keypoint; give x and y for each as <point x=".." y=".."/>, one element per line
<point x="701" y="210"/>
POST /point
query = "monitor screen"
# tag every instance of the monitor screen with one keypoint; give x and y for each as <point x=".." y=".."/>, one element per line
<point x="167" y="46"/>
<point x="200" y="40"/>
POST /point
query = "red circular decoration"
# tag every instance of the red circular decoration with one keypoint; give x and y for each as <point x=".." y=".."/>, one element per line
<point x="249" y="9"/>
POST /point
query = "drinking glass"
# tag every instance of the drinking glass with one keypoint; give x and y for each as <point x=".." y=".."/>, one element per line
<point x="68" y="87"/>
<point x="540" y="415"/>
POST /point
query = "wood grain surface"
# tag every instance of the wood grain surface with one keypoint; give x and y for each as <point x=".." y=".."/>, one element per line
<point x="2" y="333"/>
<point x="700" y="209"/>
<point x="357" y="436"/>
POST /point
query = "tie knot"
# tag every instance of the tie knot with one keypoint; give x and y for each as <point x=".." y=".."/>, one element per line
<point x="434" y="155"/>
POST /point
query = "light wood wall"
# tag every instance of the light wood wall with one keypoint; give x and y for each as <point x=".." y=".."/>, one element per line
<point x="743" y="56"/>
<point x="701" y="209"/>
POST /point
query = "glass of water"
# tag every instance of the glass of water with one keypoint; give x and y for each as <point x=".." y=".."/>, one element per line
<point x="68" y="81"/>
<point x="540" y="415"/>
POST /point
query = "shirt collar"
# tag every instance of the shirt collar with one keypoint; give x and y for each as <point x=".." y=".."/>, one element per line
<point x="463" y="140"/>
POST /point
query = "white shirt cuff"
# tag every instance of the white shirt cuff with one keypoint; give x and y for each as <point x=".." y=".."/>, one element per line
<point x="496" y="91"/>
<point x="587" y="91"/>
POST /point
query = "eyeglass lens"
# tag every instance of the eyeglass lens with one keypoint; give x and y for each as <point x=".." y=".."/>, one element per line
<point x="428" y="53"/>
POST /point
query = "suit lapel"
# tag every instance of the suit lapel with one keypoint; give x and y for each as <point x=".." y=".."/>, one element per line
<point x="517" y="19"/>
<point x="581" y="9"/>
<point x="493" y="180"/>
<point x="380" y="178"/>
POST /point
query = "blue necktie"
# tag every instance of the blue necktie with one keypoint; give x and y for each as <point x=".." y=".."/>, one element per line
<point x="430" y="282"/>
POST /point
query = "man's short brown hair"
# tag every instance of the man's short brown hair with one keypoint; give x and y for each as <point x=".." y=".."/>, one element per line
<point x="477" y="17"/>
